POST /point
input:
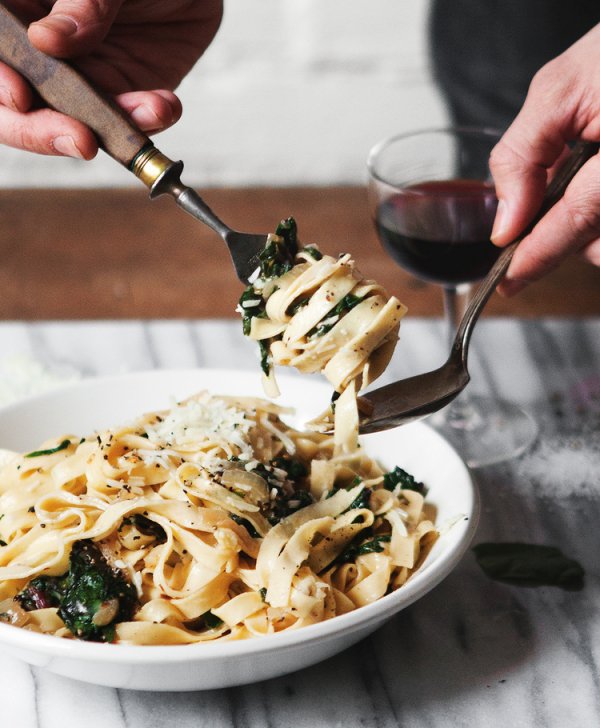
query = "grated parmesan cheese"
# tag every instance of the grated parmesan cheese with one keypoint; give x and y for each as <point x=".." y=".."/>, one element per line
<point x="191" y="422"/>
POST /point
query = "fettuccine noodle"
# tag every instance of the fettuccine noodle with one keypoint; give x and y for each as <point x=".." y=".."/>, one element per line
<point x="318" y="314"/>
<point x="215" y="520"/>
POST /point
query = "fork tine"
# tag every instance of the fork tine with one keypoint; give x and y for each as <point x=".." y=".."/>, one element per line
<point x="244" y="249"/>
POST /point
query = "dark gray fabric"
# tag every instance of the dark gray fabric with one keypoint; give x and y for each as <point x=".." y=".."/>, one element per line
<point x="484" y="53"/>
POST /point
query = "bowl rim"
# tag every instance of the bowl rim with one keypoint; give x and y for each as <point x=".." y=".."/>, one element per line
<point x="423" y="581"/>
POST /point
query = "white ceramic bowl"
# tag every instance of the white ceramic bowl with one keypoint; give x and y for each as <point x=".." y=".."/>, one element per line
<point x="95" y="403"/>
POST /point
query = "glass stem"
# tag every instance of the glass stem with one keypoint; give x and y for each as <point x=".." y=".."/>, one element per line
<point x="460" y="413"/>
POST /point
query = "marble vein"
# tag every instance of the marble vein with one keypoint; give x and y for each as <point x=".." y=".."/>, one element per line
<point x="471" y="653"/>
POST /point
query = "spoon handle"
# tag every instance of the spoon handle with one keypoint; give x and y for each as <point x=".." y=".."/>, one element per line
<point x="582" y="151"/>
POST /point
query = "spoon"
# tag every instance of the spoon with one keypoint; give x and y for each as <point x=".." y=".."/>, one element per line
<point x="65" y="90"/>
<point x="416" y="397"/>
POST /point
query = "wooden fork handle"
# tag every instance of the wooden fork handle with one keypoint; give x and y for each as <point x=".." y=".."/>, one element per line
<point x="65" y="90"/>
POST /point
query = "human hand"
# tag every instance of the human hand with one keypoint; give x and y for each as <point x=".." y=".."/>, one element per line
<point x="135" y="50"/>
<point x="563" y="104"/>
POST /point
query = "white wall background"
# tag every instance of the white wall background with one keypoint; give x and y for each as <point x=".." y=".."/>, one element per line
<point x="291" y="92"/>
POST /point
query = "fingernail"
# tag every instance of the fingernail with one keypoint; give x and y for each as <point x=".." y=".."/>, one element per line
<point x="62" y="24"/>
<point x="66" y="145"/>
<point x="145" y="118"/>
<point x="500" y="221"/>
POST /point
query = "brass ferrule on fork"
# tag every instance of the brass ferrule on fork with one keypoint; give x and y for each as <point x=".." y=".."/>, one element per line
<point x="159" y="173"/>
<point x="163" y="176"/>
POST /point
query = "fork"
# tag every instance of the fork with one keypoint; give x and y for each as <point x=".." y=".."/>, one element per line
<point x="416" y="397"/>
<point x="65" y="90"/>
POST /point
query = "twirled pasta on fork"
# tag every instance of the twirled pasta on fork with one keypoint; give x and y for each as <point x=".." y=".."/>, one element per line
<point x="318" y="314"/>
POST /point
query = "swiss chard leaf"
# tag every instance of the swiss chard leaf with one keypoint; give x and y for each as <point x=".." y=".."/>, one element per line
<point x="288" y="230"/>
<point x="405" y="480"/>
<point x="527" y="564"/>
<point x="38" y="453"/>
<point x="88" y="587"/>
<point x="314" y="253"/>
<point x="277" y="257"/>
<point x="246" y="524"/>
<point x="284" y="501"/>
<point x="285" y="504"/>
<point x="347" y="303"/>
<point x="91" y="583"/>
<point x="295" y="469"/>
<point x="257" y="308"/>
<point x="297" y="305"/>
<point x="356" y="548"/>
<point x="265" y="356"/>
<point x="146" y="526"/>
<point x="42" y="592"/>
<point x="211" y="621"/>
<point x="362" y="499"/>
<point x="334" y="398"/>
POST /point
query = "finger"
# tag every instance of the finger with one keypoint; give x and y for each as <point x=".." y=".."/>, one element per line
<point x="531" y="146"/>
<point x="591" y="252"/>
<point x="151" y="111"/>
<point x="568" y="227"/>
<point x="15" y="92"/>
<point x="45" y="131"/>
<point x="74" y="27"/>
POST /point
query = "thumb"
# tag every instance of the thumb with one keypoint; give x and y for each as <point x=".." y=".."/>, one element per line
<point x="521" y="168"/>
<point x="74" y="27"/>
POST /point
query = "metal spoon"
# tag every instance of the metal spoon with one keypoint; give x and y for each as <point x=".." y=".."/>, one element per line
<point x="65" y="90"/>
<point x="416" y="397"/>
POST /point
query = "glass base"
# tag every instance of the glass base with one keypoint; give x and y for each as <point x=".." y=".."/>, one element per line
<point x="485" y="431"/>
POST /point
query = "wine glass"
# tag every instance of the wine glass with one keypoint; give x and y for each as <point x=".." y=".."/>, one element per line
<point x="433" y="203"/>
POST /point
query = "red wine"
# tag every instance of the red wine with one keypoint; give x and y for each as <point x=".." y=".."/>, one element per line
<point x="440" y="230"/>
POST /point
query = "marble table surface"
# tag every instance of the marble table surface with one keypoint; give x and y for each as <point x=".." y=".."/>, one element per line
<point x="473" y="652"/>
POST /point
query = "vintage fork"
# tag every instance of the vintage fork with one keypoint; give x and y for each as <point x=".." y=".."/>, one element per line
<point x="419" y="396"/>
<point x="65" y="90"/>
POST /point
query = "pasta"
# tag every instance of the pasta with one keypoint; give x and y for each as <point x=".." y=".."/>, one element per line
<point x="213" y="520"/>
<point x="318" y="314"/>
